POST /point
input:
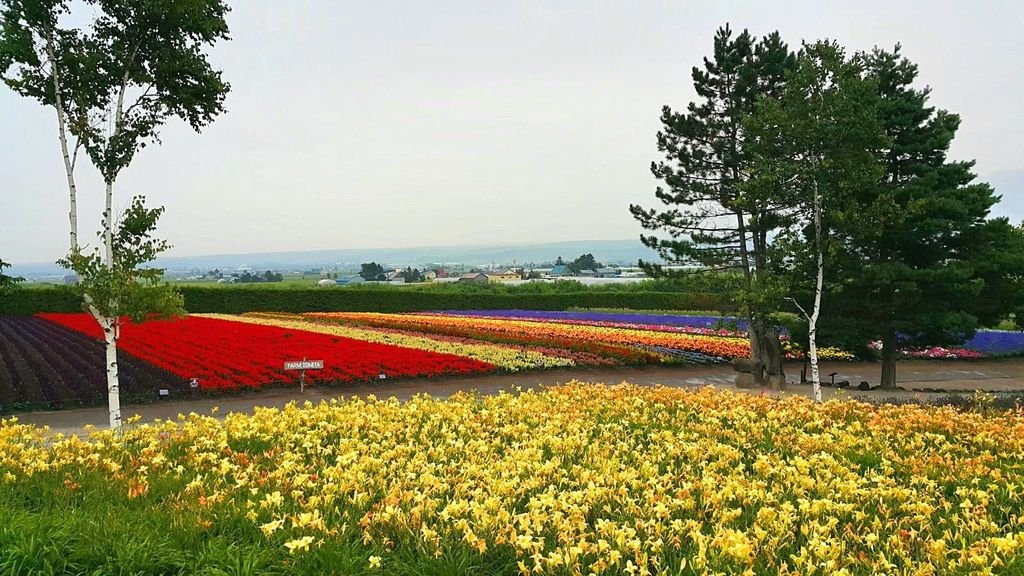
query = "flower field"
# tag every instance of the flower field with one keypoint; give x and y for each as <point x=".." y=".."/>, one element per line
<point x="54" y="360"/>
<point x="43" y="365"/>
<point x="708" y="348"/>
<point x="710" y="325"/>
<point x="510" y="358"/>
<point x="225" y="354"/>
<point x="985" y="344"/>
<point x="581" y="479"/>
<point x="997" y="343"/>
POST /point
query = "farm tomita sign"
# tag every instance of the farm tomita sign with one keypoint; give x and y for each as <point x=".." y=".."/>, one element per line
<point x="304" y="365"/>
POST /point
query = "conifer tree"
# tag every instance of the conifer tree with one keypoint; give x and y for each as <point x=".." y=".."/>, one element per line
<point x="707" y="218"/>
<point x="7" y="282"/>
<point x="911" y="271"/>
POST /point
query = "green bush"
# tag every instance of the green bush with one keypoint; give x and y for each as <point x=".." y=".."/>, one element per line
<point x="24" y="301"/>
<point x="382" y="299"/>
<point x="398" y="300"/>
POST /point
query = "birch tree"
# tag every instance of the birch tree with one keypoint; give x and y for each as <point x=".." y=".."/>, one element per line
<point x="116" y="284"/>
<point x="153" y="69"/>
<point x="42" y="60"/>
<point x="115" y="82"/>
<point x="815" y="150"/>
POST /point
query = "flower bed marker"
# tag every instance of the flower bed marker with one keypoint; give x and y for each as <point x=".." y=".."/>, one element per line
<point x="303" y="365"/>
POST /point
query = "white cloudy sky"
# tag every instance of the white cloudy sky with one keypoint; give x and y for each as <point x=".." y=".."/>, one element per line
<point x="389" y="124"/>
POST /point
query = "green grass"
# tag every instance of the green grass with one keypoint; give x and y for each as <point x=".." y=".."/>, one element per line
<point x="46" y="531"/>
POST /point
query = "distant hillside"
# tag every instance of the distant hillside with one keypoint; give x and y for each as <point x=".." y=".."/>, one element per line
<point x="608" y="251"/>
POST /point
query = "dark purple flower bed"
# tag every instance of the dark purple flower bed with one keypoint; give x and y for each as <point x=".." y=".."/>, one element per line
<point x="617" y="317"/>
<point x="997" y="342"/>
<point x="43" y="365"/>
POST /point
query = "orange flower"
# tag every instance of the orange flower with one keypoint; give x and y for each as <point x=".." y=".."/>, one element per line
<point x="137" y="488"/>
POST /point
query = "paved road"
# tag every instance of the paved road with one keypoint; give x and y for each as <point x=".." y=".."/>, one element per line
<point x="993" y="376"/>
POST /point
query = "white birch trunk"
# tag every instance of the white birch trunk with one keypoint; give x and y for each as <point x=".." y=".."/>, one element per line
<point x="812" y="324"/>
<point x="108" y="227"/>
<point x="812" y="320"/>
<point x="110" y="334"/>
<point x="69" y="166"/>
<point x="110" y="324"/>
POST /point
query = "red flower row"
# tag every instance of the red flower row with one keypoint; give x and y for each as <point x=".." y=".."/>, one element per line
<point x="223" y="354"/>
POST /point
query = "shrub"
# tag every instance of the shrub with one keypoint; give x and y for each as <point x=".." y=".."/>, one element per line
<point x="380" y="299"/>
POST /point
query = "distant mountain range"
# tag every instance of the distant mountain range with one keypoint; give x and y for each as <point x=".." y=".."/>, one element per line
<point x="626" y="252"/>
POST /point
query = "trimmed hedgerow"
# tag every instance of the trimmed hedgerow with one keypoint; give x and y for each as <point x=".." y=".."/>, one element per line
<point x="240" y="300"/>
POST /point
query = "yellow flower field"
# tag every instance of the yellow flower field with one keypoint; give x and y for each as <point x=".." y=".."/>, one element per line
<point x="581" y="479"/>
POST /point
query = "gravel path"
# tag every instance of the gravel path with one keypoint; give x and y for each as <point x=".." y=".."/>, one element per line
<point x="934" y="376"/>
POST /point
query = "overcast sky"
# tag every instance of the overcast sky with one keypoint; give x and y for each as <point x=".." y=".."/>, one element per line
<point x="392" y="124"/>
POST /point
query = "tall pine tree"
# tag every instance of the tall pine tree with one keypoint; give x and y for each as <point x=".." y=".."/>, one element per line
<point x="707" y="219"/>
<point x="910" y="270"/>
<point x="1000" y="264"/>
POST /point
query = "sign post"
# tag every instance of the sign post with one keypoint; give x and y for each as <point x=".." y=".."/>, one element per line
<point x="303" y="365"/>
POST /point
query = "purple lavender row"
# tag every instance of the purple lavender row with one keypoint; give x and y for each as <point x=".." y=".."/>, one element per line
<point x="997" y="342"/>
<point x="616" y="317"/>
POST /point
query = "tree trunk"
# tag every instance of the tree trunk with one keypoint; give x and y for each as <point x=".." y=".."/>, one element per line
<point x="889" y="354"/>
<point x="110" y="334"/>
<point x="815" y="376"/>
<point x="765" y="348"/>
<point x="108" y="227"/>
<point x="69" y="166"/>
<point x="110" y="325"/>
<point x="812" y="320"/>
<point x="756" y="340"/>
<point x="753" y="328"/>
<point x="772" y="349"/>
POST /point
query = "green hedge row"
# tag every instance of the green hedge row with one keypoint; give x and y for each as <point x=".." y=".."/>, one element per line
<point x="236" y="301"/>
<point x="24" y="301"/>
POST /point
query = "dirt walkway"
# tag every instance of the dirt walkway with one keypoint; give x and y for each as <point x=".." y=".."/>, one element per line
<point x="934" y="376"/>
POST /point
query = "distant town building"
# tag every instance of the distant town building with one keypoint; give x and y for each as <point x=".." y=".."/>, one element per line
<point x="479" y="277"/>
<point x="503" y="276"/>
<point x="430" y="275"/>
<point x="560" y="270"/>
<point x="607" y="273"/>
<point x="350" y="280"/>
